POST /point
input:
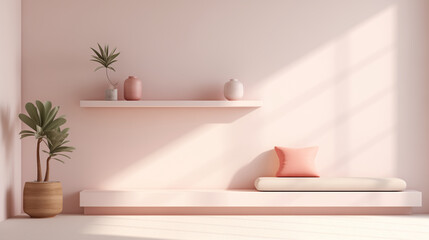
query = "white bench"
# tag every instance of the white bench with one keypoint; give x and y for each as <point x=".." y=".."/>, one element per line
<point x="136" y="201"/>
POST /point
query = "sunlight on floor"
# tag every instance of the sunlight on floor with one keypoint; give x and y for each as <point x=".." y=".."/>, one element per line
<point x="290" y="227"/>
<point x="80" y="227"/>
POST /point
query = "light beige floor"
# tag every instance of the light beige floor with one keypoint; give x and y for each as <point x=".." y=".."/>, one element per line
<point x="79" y="227"/>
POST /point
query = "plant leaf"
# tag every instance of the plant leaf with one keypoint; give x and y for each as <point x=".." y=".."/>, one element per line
<point x="47" y="145"/>
<point x="111" y="57"/>
<point x="97" y="58"/>
<point x="27" y="120"/>
<point x="65" y="130"/>
<point x="101" y="51"/>
<point x="98" y="54"/>
<point x="38" y="135"/>
<point x="56" y="123"/>
<point x="41" y="108"/>
<point x="49" y="141"/>
<point x="59" y="160"/>
<point x="51" y="116"/>
<point x="26" y="132"/>
<point x="48" y="106"/>
<point x="114" y="56"/>
<point x="39" y="131"/>
<point x="110" y="63"/>
<point x="32" y="112"/>
<point x="26" y="135"/>
<point x="99" y="68"/>
<point x="64" y="149"/>
<point x="101" y="62"/>
<point x="63" y="155"/>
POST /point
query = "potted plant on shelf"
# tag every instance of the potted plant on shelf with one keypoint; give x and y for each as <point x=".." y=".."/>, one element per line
<point x="44" y="198"/>
<point x="106" y="59"/>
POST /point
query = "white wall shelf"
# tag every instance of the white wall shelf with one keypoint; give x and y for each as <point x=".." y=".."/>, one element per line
<point x="246" y="198"/>
<point x="173" y="104"/>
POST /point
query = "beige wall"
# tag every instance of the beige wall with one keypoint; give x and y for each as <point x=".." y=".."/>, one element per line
<point x="10" y="104"/>
<point x="348" y="76"/>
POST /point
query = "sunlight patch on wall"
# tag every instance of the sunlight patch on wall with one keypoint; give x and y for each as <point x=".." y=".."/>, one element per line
<point x="341" y="97"/>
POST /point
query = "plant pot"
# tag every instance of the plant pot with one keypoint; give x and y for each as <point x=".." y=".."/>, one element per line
<point x="43" y="199"/>
<point x="111" y="94"/>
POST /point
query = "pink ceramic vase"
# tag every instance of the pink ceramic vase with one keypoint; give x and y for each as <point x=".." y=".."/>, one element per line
<point x="132" y="89"/>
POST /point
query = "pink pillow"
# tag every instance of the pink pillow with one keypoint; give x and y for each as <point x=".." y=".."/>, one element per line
<point x="296" y="162"/>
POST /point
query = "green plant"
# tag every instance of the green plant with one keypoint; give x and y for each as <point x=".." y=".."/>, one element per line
<point x="45" y="126"/>
<point x="56" y="145"/>
<point x="106" y="59"/>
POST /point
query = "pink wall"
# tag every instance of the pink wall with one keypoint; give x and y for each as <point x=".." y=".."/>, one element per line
<point x="348" y="76"/>
<point x="10" y="104"/>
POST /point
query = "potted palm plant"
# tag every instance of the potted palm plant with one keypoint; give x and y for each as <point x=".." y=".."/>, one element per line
<point x="106" y="59"/>
<point x="44" y="198"/>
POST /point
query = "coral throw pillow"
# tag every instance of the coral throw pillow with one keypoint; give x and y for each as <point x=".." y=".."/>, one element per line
<point x="296" y="162"/>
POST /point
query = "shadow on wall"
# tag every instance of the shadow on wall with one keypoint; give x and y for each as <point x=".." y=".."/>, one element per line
<point x="8" y="136"/>
<point x="413" y="98"/>
<point x="146" y="132"/>
<point x="264" y="165"/>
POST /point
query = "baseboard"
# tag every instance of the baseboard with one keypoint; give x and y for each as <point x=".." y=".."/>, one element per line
<point x="247" y="210"/>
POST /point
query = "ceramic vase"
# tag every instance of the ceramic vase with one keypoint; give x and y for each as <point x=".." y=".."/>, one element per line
<point x="233" y="90"/>
<point x="43" y="199"/>
<point x="133" y="89"/>
<point x="111" y="94"/>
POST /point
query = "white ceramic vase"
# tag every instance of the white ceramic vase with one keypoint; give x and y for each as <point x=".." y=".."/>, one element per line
<point x="111" y="94"/>
<point x="233" y="90"/>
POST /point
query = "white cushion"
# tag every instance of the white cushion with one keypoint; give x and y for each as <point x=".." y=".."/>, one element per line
<point x="329" y="184"/>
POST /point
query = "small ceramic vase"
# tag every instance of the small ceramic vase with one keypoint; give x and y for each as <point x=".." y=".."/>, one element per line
<point x="132" y="89"/>
<point x="233" y="90"/>
<point x="111" y="94"/>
